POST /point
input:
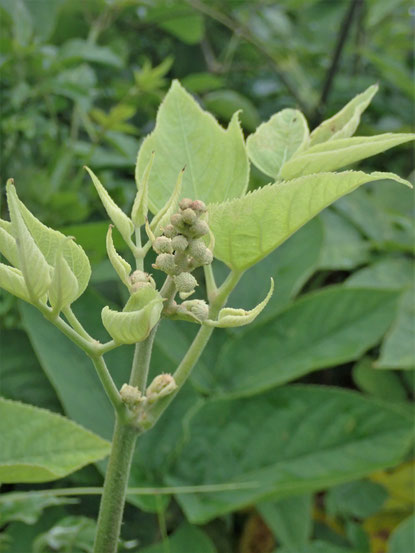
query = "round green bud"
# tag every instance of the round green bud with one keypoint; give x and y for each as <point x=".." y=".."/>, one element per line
<point x="169" y="231"/>
<point x="139" y="276"/>
<point x="198" y="206"/>
<point x="179" y="243"/>
<point x="199" y="228"/>
<point x="189" y="216"/>
<point x="198" y="308"/>
<point x="176" y="220"/>
<point x="162" y="244"/>
<point x="185" y="283"/>
<point x="165" y="262"/>
<point x="185" y="203"/>
<point x="200" y="253"/>
<point x="131" y="396"/>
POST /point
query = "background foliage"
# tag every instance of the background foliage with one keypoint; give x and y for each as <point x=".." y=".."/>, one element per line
<point x="81" y="84"/>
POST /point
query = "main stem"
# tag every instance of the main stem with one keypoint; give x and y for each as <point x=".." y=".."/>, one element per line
<point x="115" y="487"/>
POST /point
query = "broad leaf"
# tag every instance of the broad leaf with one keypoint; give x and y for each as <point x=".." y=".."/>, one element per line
<point x="186" y="539"/>
<point x="290" y="520"/>
<point x="216" y="162"/>
<point x="335" y="154"/>
<point x="382" y="384"/>
<point x="37" y="445"/>
<point x="344" y="123"/>
<point x="359" y="499"/>
<point x="398" y="349"/>
<point x="321" y="329"/>
<point x="289" y="441"/>
<point x="392" y="272"/>
<point x="277" y="140"/>
<point x="403" y="537"/>
<point x="12" y="280"/>
<point x="247" y="229"/>
<point x="8" y="246"/>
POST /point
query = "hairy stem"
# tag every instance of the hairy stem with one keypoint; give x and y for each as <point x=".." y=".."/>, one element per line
<point x="115" y="488"/>
<point x="141" y="362"/>
<point x="108" y="383"/>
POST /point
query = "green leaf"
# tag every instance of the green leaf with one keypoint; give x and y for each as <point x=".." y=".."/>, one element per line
<point x="398" y="349"/>
<point x="35" y="269"/>
<point x="224" y="103"/>
<point x="8" y="246"/>
<point x="77" y="49"/>
<point x="382" y="384"/>
<point x="247" y="229"/>
<point x="27" y="509"/>
<point x="277" y="140"/>
<point x="117" y="216"/>
<point x="290" y="520"/>
<point x="12" y="280"/>
<point x="38" y="446"/>
<point x="186" y="539"/>
<point x="73" y="534"/>
<point x="393" y="272"/>
<point x="49" y="241"/>
<point x="64" y="287"/>
<point x="139" y="211"/>
<point x="341" y="152"/>
<point x="322" y="329"/>
<point x="216" y="163"/>
<point x="140" y="314"/>
<point x="344" y="123"/>
<point x="121" y="266"/>
<point x="230" y="317"/>
<point x="319" y="546"/>
<point x="403" y="537"/>
<point x="359" y="499"/>
<point x="301" y="439"/>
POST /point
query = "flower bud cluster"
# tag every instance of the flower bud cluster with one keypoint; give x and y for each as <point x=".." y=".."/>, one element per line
<point x="181" y="248"/>
<point x="139" y="279"/>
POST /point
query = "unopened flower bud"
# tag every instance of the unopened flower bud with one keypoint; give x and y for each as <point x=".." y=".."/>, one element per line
<point x="162" y="244"/>
<point x="169" y="231"/>
<point x="198" y="308"/>
<point x="185" y="203"/>
<point x="179" y="243"/>
<point x="189" y="216"/>
<point x="131" y="396"/>
<point x="176" y="220"/>
<point x="140" y="279"/>
<point x="200" y="253"/>
<point x="198" y="206"/>
<point x="185" y="282"/>
<point x="163" y="385"/>
<point x="199" y="228"/>
<point x="165" y="262"/>
<point x="139" y="276"/>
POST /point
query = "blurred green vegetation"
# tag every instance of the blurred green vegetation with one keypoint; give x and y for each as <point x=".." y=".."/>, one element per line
<point x="81" y="83"/>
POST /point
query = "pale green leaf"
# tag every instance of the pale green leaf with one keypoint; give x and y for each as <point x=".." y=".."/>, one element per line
<point x="117" y="216"/>
<point x="215" y="159"/>
<point x="140" y="315"/>
<point x="64" y="288"/>
<point x="37" y="445"/>
<point x="50" y="240"/>
<point x="322" y="329"/>
<point x="8" y="246"/>
<point x="230" y="317"/>
<point x="341" y="152"/>
<point x="289" y="441"/>
<point x="247" y="229"/>
<point x="344" y="123"/>
<point x="121" y="266"/>
<point x="139" y="211"/>
<point x="12" y="280"/>
<point x="398" y="349"/>
<point x="162" y="217"/>
<point x="35" y="269"/>
<point x="276" y="141"/>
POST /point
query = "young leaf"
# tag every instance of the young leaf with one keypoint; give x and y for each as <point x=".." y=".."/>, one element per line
<point x="344" y="123"/>
<point x="117" y="216"/>
<point x="49" y="241"/>
<point x="230" y="317"/>
<point x="12" y="280"/>
<point x="322" y="329"/>
<point x="139" y="316"/>
<point x="216" y="162"/>
<point x="326" y="436"/>
<point x="64" y="287"/>
<point x="140" y="207"/>
<point x="403" y="537"/>
<point x="277" y="140"/>
<point x="162" y="217"/>
<point x="247" y="229"/>
<point x="37" y="445"/>
<point x="35" y="269"/>
<point x="338" y="153"/>
<point x="8" y="246"/>
<point x="121" y="266"/>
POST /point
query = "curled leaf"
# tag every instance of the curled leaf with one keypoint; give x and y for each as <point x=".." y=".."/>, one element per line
<point x="8" y="246"/>
<point x="140" y="206"/>
<point x="117" y="216"/>
<point x="35" y="269"/>
<point x="121" y="266"/>
<point x="163" y="216"/>
<point x="12" y="280"/>
<point x="64" y="287"/>
<point x="230" y="317"/>
<point x="139" y="316"/>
